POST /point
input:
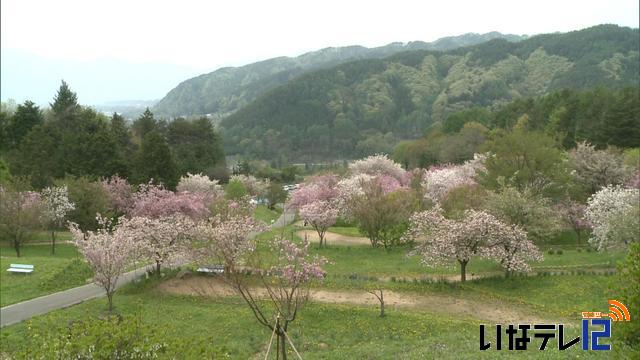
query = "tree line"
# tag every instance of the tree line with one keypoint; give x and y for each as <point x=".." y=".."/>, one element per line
<point x="74" y="140"/>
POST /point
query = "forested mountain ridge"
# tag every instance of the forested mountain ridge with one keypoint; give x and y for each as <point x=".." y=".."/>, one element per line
<point x="228" y="89"/>
<point x="367" y="106"/>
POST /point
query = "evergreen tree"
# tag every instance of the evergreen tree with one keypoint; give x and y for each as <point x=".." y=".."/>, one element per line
<point x="27" y="116"/>
<point x="145" y="124"/>
<point x="154" y="160"/>
<point x="65" y="102"/>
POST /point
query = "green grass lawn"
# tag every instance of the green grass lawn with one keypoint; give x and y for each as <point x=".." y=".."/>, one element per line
<point x="320" y="332"/>
<point x="266" y="215"/>
<point x="52" y="273"/>
<point x="346" y="231"/>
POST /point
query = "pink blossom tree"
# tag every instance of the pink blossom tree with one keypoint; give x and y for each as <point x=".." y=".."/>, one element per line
<point x="160" y="239"/>
<point x="439" y="180"/>
<point x="108" y="251"/>
<point x="317" y="203"/>
<point x="119" y="193"/>
<point x="57" y="206"/>
<point x="573" y="214"/>
<point x="154" y="201"/>
<point x="21" y="212"/>
<point x="321" y="215"/>
<point x="477" y="234"/>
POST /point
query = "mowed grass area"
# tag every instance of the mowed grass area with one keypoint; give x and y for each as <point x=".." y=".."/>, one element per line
<point x="266" y="215"/>
<point x="64" y="270"/>
<point x="321" y="331"/>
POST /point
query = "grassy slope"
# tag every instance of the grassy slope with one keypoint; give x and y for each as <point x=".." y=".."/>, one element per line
<point x="321" y="331"/>
<point x="52" y="272"/>
<point x="266" y="215"/>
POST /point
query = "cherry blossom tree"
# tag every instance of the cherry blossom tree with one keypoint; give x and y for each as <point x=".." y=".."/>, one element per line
<point x="119" y="193"/>
<point x="57" y="206"/>
<point x="573" y="214"/>
<point x="593" y="169"/>
<point x="154" y="201"/>
<point x="439" y="180"/>
<point x="253" y="185"/>
<point x="320" y="215"/>
<point x="317" y="203"/>
<point x="109" y="251"/>
<point x="477" y="234"/>
<point x="198" y="183"/>
<point x="21" y="212"/>
<point x="160" y="239"/>
<point x="379" y="165"/>
<point x="614" y="213"/>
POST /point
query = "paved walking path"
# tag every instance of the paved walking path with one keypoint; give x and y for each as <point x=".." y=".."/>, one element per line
<point x="21" y="311"/>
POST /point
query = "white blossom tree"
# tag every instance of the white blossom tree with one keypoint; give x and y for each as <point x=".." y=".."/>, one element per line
<point x="614" y="213"/>
<point x="198" y="183"/>
<point x="57" y="206"/>
<point x="477" y="234"/>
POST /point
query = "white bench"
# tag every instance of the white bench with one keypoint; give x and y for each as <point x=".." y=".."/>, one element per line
<point x="20" y="268"/>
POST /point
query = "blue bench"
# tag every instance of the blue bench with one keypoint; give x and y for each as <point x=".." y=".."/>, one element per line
<point x="20" y="268"/>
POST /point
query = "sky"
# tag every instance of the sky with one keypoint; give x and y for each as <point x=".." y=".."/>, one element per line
<point x="185" y="38"/>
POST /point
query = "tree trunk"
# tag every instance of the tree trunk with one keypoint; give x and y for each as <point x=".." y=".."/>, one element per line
<point x="110" y="300"/>
<point x="463" y="271"/>
<point x="16" y="245"/>
<point x="53" y="242"/>
<point x="282" y="347"/>
<point x="381" y="304"/>
<point x="157" y="268"/>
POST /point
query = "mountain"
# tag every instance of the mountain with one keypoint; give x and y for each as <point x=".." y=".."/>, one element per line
<point x="367" y="106"/>
<point x="226" y="90"/>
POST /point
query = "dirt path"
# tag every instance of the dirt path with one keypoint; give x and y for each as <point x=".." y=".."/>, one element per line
<point x="492" y="311"/>
<point x="333" y="238"/>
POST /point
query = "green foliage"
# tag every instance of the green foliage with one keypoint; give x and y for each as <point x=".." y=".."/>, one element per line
<point x="629" y="288"/>
<point x="197" y="147"/>
<point x="89" y="198"/>
<point x="154" y="161"/>
<point x="275" y="194"/>
<point x="235" y="190"/>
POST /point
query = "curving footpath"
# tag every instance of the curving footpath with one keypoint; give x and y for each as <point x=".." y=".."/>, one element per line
<point x="21" y="311"/>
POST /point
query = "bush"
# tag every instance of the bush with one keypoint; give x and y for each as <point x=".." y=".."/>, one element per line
<point x="550" y="252"/>
<point x="558" y="252"/>
<point x="89" y="198"/>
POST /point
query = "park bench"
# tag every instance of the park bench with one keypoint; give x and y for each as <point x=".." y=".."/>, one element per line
<point x="20" y="268"/>
<point x="211" y="269"/>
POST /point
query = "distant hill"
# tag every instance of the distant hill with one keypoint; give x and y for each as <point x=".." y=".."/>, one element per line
<point x="226" y="90"/>
<point x="367" y="106"/>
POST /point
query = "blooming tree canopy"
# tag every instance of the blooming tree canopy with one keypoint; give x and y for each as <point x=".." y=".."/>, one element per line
<point x="593" y="169"/>
<point x="57" y="204"/>
<point x="154" y="201"/>
<point x="614" y="212"/>
<point x="476" y="234"/>
<point x="253" y="185"/>
<point x="21" y="212"/>
<point x="317" y="203"/>
<point x="573" y="214"/>
<point x="119" y="193"/>
<point x="376" y="165"/>
<point x="439" y="180"/>
<point x="108" y="251"/>
<point x="198" y="183"/>
<point x="159" y="239"/>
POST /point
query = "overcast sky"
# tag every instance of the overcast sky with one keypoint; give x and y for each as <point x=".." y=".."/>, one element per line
<point x="205" y="35"/>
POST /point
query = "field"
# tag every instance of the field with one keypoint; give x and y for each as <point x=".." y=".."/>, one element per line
<point x="426" y="315"/>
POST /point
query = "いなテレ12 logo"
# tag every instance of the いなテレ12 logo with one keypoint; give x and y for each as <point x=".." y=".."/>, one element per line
<point x="596" y="327"/>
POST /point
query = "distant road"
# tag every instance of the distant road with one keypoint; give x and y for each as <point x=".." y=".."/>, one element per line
<point x="21" y="311"/>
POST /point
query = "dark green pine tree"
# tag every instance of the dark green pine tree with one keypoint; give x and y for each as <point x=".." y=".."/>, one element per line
<point x="145" y="124"/>
<point x="26" y="117"/>
<point x="622" y="123"/>
<point x="154" y="160"/>
<point x="65" y="101"/>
